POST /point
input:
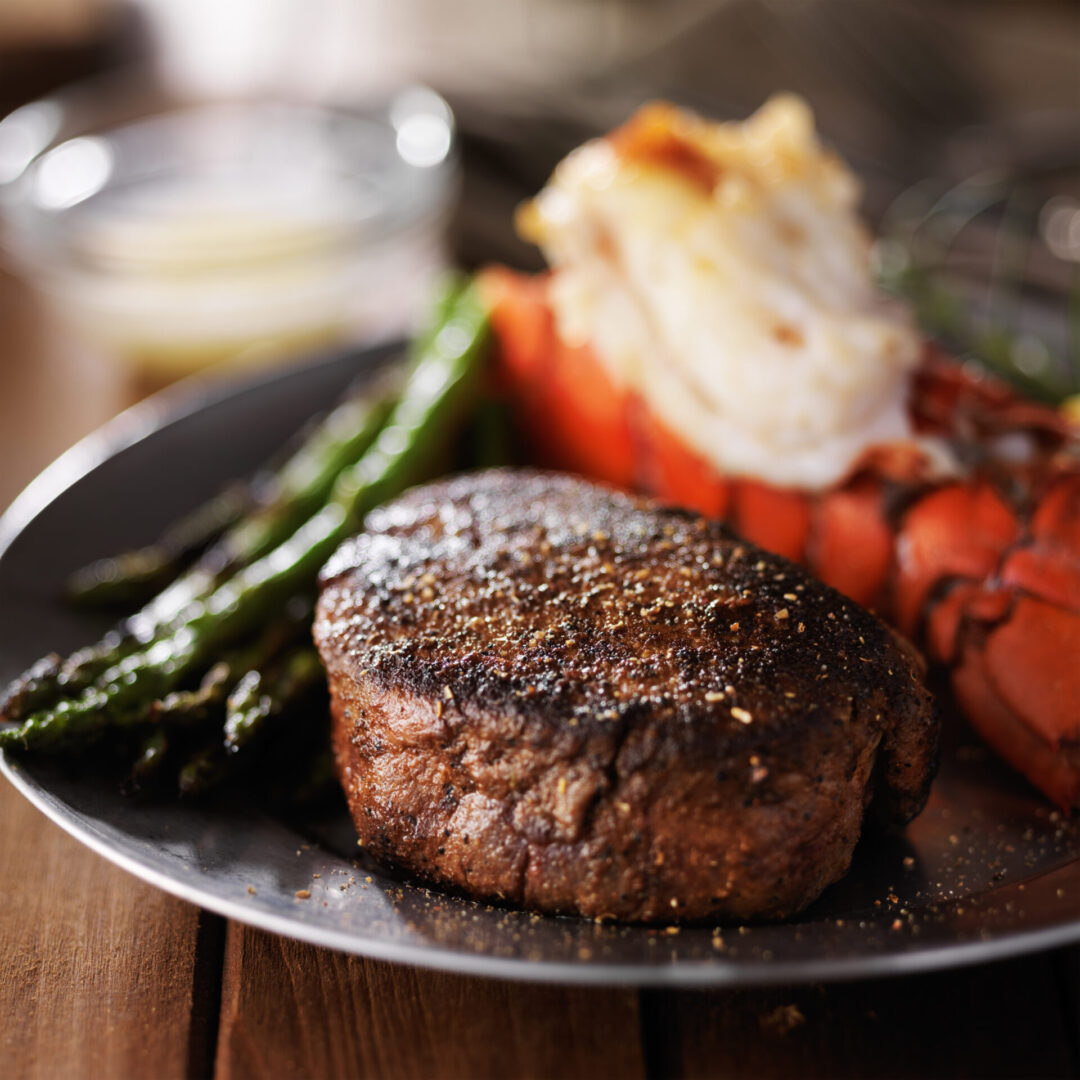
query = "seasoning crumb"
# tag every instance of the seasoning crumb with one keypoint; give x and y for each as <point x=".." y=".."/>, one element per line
<point x="783" y="613"/>
<point x="251" y="889"/>
<point x="909" y="862"/>
<point x="742" y="715"/>
<point x="303" y="894"/>
<point x="714" y="696"/>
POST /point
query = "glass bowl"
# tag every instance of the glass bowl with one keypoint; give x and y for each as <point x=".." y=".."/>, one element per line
<point x="183" y="234"/>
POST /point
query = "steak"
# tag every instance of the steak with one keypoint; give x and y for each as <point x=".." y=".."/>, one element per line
<point x="548" y="693"/>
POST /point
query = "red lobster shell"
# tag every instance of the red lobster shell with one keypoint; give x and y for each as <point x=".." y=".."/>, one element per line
<point x="982" y="571"/>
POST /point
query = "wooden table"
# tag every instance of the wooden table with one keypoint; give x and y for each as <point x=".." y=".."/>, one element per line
<point x="101" y="975"/>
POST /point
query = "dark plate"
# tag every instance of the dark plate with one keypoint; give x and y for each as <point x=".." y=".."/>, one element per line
<point x="988" y="870"/>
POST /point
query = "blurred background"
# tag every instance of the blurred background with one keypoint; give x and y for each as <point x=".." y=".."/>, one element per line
<point x="217" y="185"/>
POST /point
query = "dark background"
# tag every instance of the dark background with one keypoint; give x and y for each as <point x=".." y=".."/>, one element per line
<point x="905" y="90"/>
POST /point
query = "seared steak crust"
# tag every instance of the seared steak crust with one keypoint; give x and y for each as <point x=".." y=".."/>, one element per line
<point x="579" y="701"/>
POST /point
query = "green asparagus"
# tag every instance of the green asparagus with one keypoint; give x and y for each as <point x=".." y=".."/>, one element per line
<point x="256" y="700"/>
<point x="150" y="761"/>
<point x="435" y="395"/>
<point x="260" y="695"/>
<point x="32" y="690"/>
<point x="133" y="577"/>
<point x="303" y="485"/>
<point x="204" y="770"/>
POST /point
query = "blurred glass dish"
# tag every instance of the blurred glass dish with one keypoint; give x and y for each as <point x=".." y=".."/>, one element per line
<point x="180" y="235"/>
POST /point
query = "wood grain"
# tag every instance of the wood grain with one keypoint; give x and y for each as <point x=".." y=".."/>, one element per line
<point x="292" y="1010"/>
<point x="1001" y="1020"/>
<point x="97" y="970"/>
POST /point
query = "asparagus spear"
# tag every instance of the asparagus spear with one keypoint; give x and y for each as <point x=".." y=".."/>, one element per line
<point x="180" y="710"/>
<point x="303" y="485"/>
<point x="307" y="479"/>
<point x="256" y="700"/>
<point x="261" y="695"/>
<point x="187" y="709"/>
<point x="204" y="770"/>
<point x="133" y="577"/>
<point x="433" y="398"/>
<point x="34" y="689"/>
<point x="150" y="762"/>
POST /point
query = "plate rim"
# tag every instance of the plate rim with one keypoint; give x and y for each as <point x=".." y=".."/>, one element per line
<point x="686" y="974"/>
<point x="190" y="396"/>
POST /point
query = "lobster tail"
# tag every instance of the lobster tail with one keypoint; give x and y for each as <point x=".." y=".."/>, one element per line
<point x="983" y="570"/>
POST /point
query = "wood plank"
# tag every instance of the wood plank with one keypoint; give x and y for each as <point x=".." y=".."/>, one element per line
<point x="1004" y="1019"/>
<point x="291" y="1009"/>
<point x="97" y="970"/>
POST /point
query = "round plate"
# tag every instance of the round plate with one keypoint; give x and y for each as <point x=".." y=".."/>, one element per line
<point x="986" y="871"/>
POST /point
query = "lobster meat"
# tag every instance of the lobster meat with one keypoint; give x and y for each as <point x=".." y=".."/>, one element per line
<point x="980" y="567"/>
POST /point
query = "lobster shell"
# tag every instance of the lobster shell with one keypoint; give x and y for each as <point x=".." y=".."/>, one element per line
<point x="982" y="570"/>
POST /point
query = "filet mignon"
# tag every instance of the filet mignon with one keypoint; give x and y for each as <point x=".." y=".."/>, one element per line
<point x="580" y="701"/>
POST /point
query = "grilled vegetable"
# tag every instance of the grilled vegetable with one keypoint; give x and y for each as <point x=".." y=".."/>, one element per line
<point x="133" y="577"/>
<point x="300" y="487"/>
<point x="256" y="702"/>
<point x="183" y="631"/>
<point x="150" y="761"/>
<point x="260" y="695"/>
